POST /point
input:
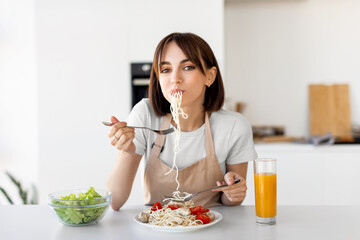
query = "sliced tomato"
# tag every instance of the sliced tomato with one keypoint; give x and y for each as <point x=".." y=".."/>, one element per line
<point x="156" y="206"/>
<point x="173" y="207"/>
<point x="204" y="210"/>
<point x="195" y="210"/>
<point x="203" y="217"/>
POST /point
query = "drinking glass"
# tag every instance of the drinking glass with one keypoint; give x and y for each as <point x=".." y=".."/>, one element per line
<point x="265" y="190"/>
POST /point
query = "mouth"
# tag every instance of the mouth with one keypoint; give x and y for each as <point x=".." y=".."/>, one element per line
<point x="172" y="92"/>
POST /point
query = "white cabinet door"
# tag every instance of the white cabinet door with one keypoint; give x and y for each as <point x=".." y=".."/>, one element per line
<point x="307" y="175"/>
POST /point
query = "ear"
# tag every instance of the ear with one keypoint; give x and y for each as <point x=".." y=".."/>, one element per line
<point x="211" y="76"/>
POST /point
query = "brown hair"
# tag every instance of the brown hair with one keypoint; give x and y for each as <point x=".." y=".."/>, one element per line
<point x="198" y="52"/>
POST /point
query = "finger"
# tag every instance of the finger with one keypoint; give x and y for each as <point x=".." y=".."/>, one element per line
<point x="236" y="192"/>
<point x="115" y="128"/>
<point x="218" y="183"/>
<point x="120" y="145"/>
<point x="240" y="196"/>
<point x="239" y="190"/>
<point x="127" y="145"/>
<point x="239" y="185"/>
<point x="236" y="199"/>
<point x="120" y="126"/>
<point x="241" y="181"/>
<point x="118" y="142"/>
<point x="230" y="177"/>
<point x="124" y="131"/>
<point x="114" y="119"/>
<point x="114" y="140"/>
<point x="235" y="196"/>
<point x="125" y="137"/>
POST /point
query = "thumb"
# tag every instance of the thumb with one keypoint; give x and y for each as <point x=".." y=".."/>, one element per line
<point x="114" y="119"/>
<point x="229" y="178"/>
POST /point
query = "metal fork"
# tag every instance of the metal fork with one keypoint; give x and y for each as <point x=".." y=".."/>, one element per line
<point x="161" y="132"/>
<point x="193" y="195"/>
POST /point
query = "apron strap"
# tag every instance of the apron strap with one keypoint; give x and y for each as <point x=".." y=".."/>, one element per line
<point x="160" y="139"/>
<point x="210" y="151"/>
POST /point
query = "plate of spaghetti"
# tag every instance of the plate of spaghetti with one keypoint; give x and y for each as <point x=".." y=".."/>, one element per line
<point x="177" y="217"/>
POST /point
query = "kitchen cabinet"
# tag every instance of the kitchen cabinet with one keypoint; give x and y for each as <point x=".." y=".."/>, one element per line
<point x="312" y="175"/>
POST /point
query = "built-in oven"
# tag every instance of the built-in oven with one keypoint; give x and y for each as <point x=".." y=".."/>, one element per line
<point x="140" y="79"/>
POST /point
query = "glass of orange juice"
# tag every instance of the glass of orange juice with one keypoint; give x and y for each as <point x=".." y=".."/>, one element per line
<point x="265" y="190"/>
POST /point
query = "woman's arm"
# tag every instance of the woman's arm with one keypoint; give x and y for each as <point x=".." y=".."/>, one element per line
<point x="122" y="177"/>
<point x="235" y="194"/>
<point x="126" y="164"/>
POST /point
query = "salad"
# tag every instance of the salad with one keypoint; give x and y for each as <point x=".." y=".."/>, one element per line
<point x="83" y="208"/>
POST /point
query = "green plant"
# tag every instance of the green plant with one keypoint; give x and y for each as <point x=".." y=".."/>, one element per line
<point x="23" y="193"/>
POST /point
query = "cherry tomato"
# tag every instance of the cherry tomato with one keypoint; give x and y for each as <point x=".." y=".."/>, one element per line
<point x="195" y="210"/>
<point x="204" y="210"/>
<point x="203" y="217"/>
<point x="173" y="207"/>
<point x="156" y="206"/>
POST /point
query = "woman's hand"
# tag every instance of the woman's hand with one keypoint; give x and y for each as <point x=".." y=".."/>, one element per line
<point x="121" y="136"/>
<point x="234" y="193"/>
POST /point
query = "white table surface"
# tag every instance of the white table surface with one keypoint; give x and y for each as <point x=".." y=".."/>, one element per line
<point x="293" y="222"/>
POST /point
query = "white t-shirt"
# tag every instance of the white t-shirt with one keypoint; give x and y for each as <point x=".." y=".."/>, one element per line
<point x="232" y="137"/>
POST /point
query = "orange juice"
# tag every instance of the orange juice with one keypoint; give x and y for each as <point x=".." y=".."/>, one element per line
<point x="265" y="194"/>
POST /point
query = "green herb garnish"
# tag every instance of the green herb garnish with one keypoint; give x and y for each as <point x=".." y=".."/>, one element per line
<point x="80" y="214"/>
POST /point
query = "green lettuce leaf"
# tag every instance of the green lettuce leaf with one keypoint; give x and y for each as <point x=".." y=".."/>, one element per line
<point x="80" y="215"/>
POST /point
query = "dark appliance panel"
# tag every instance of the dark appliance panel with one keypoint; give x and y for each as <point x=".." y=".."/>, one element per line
<point x="140" y="79"/>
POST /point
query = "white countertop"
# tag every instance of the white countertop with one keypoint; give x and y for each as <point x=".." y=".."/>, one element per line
<point x="283" y="146"/>
<point x="293" y="222"/>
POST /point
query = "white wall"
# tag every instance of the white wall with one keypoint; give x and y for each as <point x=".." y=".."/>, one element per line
<point x="82" y="69"/>
<point x="18" y="96"/>
<point x="150" y="21"/>
<point x="84" y="50"/>
<point x="275" y="49"/>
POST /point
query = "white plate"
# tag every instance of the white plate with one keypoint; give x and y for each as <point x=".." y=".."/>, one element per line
<point x="217" y="219"/>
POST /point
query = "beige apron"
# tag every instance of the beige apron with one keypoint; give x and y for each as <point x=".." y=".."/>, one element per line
<point x="196" y="177"/>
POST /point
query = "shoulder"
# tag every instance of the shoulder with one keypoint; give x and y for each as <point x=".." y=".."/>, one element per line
<point x="143" y="105"/>
<point x="230" y="123"/>
<point x="143" y="113"/>
<point x="228" y="118"/>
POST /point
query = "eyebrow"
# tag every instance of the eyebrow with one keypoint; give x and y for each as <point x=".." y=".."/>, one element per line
<point x="168" y="63"/>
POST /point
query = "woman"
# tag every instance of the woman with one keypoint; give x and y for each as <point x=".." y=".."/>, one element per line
<point x="215" y="144"/>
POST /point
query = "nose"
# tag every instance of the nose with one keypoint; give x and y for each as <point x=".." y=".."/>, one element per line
<point x="176" y="78"/>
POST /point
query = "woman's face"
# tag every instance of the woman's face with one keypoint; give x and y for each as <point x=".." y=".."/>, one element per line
<point x="177" y="73"/>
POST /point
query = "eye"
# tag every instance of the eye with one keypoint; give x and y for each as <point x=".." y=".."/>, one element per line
<point x="189" y="68"/>
<point x="165" y="70"/>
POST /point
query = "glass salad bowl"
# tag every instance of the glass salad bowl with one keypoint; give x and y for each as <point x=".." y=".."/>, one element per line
<point x="80" y="207"/>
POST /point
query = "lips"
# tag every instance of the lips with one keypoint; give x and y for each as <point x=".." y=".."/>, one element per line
<point x="172" y="92"/>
